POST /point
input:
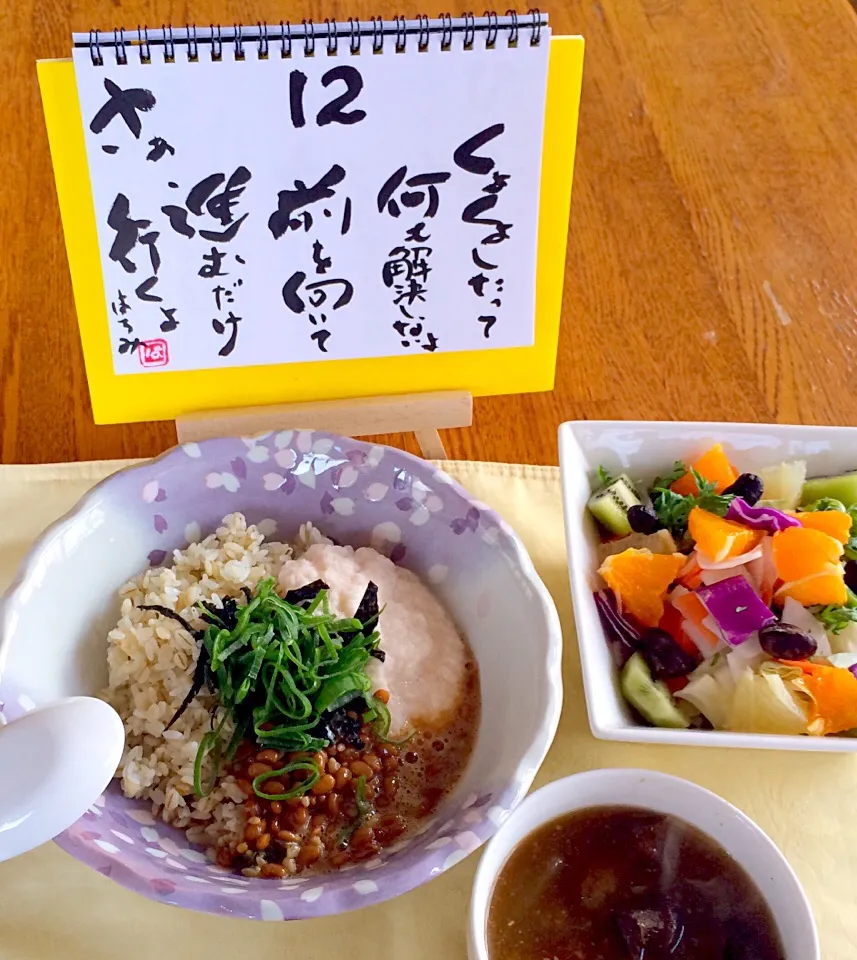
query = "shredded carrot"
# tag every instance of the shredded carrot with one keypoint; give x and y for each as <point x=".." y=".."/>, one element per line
<point x="690" y="575"/>
<point x="673" y="623"/>
<point x="692" y="608"/>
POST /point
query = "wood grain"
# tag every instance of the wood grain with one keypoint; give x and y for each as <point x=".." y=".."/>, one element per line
<point x="712" y="244"/>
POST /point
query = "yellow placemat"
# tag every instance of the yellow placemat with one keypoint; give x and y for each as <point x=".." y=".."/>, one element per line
<point x="51" y="906"/>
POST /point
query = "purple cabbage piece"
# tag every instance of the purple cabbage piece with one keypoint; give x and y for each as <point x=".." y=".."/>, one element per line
<point x="622" y="635"/>
<point x="737" y="608"/>
<point x="760" y="517"/>
<point x="853" y="669"/>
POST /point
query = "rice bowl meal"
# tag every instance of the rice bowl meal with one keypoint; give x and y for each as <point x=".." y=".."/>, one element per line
<point x="396" y="688"/>
<point x="292" y="707"/>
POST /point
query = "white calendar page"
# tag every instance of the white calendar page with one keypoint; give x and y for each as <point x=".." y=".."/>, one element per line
<point x="291" y="209"/>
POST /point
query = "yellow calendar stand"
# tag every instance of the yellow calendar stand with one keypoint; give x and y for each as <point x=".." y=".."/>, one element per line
<point x="420" y="393"/>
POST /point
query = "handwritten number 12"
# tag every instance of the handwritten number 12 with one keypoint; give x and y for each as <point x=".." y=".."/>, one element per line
<point x="331" y="112"/>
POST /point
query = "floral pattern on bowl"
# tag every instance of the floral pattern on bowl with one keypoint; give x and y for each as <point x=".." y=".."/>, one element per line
<point x="359" y="494"/>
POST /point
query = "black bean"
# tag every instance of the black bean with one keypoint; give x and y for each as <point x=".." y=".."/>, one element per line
<point x="748" y="487"/>
<point x="643" y="519"/>
<point x="787" y="642"/>
<point x="851" y="575"/>
<point x="663" y="656"/>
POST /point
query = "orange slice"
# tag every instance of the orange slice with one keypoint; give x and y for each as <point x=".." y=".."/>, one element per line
<point x="834" y="695"/>
<point x="801" y="552"/>
<point x="713" y="466"/>
<point x="834" y="523"/>
<point x="808" y="563"/>
<point x="823" y="588"/>
<point x="720" y="539"/>
<point x="640" y="580"/>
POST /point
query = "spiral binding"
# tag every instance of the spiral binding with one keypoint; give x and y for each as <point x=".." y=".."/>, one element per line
<point x="267" y="40"/>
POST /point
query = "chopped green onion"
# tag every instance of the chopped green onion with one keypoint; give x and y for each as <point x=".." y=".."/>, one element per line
<point x="298" y="790"/>
<point x="340" y="690"/>
<point x="382" y="721"/>
<point x="364" y="808"/>
<point x="277" y="667"/>
<point x="210" y="743"/>
<point x="346" y="833"/>
<point x="382" y="713"/>
<point x="228" y="651"/>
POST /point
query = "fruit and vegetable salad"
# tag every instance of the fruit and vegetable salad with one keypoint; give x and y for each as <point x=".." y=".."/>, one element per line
<point x="728" y="598"/>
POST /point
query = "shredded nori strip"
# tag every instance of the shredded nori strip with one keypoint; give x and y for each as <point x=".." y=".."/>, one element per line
<point x="202" y="661"/>
<point x="378" y="655"/>
<point x="198" y="682"/>
<point x="367" y="611"/>
<point x="338" y="726"/>
<point x="171" y="614"/>
<point x="226" y="616"/>
<point x="306" y="593"/>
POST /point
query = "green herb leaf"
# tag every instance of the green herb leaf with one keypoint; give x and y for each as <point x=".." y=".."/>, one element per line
<point x="825" y="504"/>
<point x="673" y="509"/>
<point x="604" y="476"/>
<point x="834" y="618"/>
<point x="678" y="471"/>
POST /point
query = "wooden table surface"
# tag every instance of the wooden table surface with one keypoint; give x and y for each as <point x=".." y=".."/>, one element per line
<point x="712" y="254"/>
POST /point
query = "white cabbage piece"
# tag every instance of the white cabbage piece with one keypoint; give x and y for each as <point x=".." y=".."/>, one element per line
<point x="798" y="616"/>
<point x="846" y="660"/>
<point x="845" y="641"/>
<point x="748" y="655"/>
<point x="711" y="691"/>
<point x="763" y="703"/>
<point x="706" y="564"/>
<point x="660" y="542"/>
<point x="710" y="575"/>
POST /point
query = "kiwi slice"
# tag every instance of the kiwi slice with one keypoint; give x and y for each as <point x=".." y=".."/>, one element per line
<point x="610" y="504"/>
<point x="650" y="698"/>
<point x="842" y="488"/>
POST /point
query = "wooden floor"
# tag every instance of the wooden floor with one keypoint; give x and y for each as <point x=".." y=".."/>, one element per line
<point x="712" y="263"/>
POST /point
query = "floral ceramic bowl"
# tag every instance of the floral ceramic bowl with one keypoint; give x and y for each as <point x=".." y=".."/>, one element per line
<point x="56" y="615"/>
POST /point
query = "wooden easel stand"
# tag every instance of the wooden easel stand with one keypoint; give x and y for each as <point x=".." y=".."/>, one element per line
<point x="421" y="413"/>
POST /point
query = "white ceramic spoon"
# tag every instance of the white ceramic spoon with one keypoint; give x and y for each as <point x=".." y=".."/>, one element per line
<point x="55" y="762"/>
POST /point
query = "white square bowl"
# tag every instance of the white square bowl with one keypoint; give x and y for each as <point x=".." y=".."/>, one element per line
<point x="645" y="449"/>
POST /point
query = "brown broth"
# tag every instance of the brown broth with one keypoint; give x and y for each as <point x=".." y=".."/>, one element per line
<point x="621" y="883"/>
<point x="435" y="760"/>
